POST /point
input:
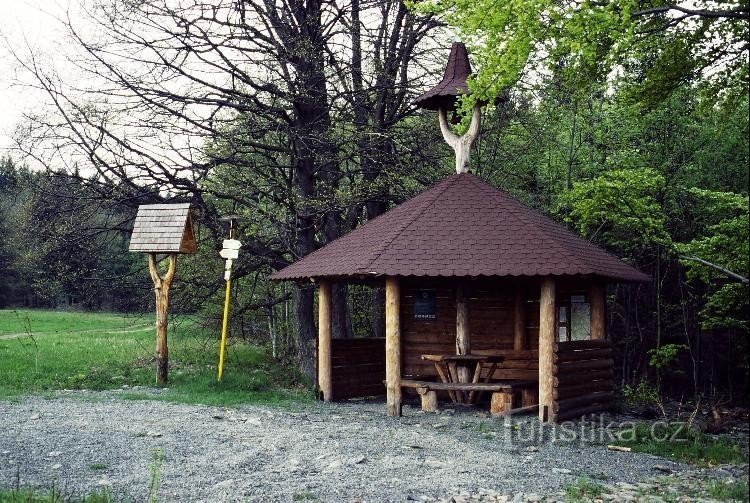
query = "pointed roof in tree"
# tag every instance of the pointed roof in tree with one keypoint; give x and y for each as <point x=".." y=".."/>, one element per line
<point x="460" y="227"/>
<point x="444" y="94"/>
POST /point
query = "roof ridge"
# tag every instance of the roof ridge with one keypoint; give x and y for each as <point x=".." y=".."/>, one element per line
<point x="417" y="213"/>
<point x="534" y="225"/>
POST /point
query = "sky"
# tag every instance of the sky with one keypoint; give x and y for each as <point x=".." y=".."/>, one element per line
<point x="22" y="23"/>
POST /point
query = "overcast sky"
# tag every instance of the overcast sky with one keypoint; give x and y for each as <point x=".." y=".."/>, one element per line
<point x="22" y="23"/>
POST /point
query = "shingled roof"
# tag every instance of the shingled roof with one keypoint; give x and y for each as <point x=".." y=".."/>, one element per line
<point x="163" y="228"/>
<point x="457" y="71"/>
<point x="460" y="227"/>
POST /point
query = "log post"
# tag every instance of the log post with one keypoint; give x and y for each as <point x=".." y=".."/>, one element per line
<point x="324" y="340"/>
<point x="393" y="346"/>
<point x="429" y="400"/>
<point x="519" y="320"/>
<point x="547" y="324"/>
<point x="161" y="292"/>
<point x="597" y="304"/>
<point x="463" y="336"/>
<point x="501" y="402"/>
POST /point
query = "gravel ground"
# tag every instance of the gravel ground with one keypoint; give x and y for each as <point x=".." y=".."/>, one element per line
<point x="83" y="441"/>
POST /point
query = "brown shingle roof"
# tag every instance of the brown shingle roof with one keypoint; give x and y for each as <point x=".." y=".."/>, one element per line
<point x="457" y="71"/>
<point x="163" y="228"/>
<point x="460" y="227"/>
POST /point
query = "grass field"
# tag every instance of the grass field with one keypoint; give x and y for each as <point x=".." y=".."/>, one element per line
<point x="42" y="351"/>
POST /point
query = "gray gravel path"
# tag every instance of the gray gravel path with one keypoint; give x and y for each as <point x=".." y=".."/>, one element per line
<point x="83" y="441"/>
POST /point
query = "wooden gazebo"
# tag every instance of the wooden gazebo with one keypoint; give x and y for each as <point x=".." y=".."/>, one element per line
<point x="469" y="270"/>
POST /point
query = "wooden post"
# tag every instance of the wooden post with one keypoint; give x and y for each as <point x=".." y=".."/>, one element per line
<point x="429" y="400"/>
<point x="161" y="292"/>
<point x="393" y="346"/>
<point x="324" y="340"/>
<point x="519" y="319"/>
<point x="463" y="336"/>
<point x="597" y="304"/>
<point x="501" y="402"/>
<point x="547" y="333"/>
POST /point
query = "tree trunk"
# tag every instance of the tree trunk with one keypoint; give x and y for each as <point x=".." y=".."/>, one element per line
<point x="161" y="292"/>
<point x="303" y="303"/>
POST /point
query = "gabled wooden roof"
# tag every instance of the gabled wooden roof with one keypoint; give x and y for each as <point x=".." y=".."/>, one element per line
<point x="460" y="227"/>
<point x="163" y="228"/>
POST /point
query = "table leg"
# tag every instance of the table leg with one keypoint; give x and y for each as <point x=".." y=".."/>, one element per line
<point x="446" y="379"/>
<point x="491" y="372"/>
<point x="453" y="372"/>
<point x="477" y="375"/>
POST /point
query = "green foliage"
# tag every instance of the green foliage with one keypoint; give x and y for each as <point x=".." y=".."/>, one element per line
<point x="725" y="241"/>
<point x="679" y="442"/>
<point x="584" y="41"/>
<point x="665" y="355"/>
<point x="642" y="393"/>
<point x="583" y="490"/>
<point x="728" y="490"/>
<point x="52" y="496"/>
<point x="154" y="469"/>
<point x="622" y="205"/>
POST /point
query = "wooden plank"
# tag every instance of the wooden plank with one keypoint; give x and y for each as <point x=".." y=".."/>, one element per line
<point x="562" y="347"/>
<point x="581" y="411"/>
<point x="571" y="391"/>
<point x="480" y="386"/>
<point x="582" y="377"/>
<point x="547" y="332"/>
<point x="580" y="401"/>
<point x="324" y="340"/>
<point x="392" y="346"/>
<point x="592" y="354"/>
<point x="575" y="366"/>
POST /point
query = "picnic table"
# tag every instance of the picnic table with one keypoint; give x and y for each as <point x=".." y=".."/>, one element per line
<point x="449" y="369"/>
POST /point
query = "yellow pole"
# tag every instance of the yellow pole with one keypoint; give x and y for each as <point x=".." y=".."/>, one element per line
<point x="224" y="329"/>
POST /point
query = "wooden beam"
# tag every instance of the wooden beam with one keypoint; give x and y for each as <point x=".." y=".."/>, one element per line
<point x="393" y="346"/>
<point x="161" y="292"/>
<point x="547" y="333"/>
<point x="597" y="303"/>
<point x="519" y="320"/>
<point x="463" y="336"/>
<point x="325" y="384"/>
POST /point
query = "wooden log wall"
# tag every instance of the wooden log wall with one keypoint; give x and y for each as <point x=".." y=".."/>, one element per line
<point x="491" y="315"/>
<point x="357" y="368"/>
<point x="583" y="384"/>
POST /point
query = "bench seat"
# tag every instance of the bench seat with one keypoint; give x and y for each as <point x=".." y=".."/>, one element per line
<point x="460" y="386"/>
<point x="502" y="392"/>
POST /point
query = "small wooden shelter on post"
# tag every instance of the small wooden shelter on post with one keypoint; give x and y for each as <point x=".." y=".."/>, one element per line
<point x="482" y="294"/>
<point x="162" y="229"/>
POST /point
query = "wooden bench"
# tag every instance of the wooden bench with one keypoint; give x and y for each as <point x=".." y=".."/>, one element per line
<point x="502" y="392"/>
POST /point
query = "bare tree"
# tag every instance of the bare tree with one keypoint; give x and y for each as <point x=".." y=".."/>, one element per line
<point x="285" y="110"/>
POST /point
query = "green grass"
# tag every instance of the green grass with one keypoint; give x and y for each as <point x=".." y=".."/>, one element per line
<point x="678" y="490"/>
<point x="728" y="491"/>
<point x="583" y="490"/>
<point x="52" y="496"/>
<point x="678" y="443"/>
<point x="43" y="351"/>
<point x="304" y="496"/>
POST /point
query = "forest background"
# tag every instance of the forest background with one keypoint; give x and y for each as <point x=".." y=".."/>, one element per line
<point x="625" y="121"/>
